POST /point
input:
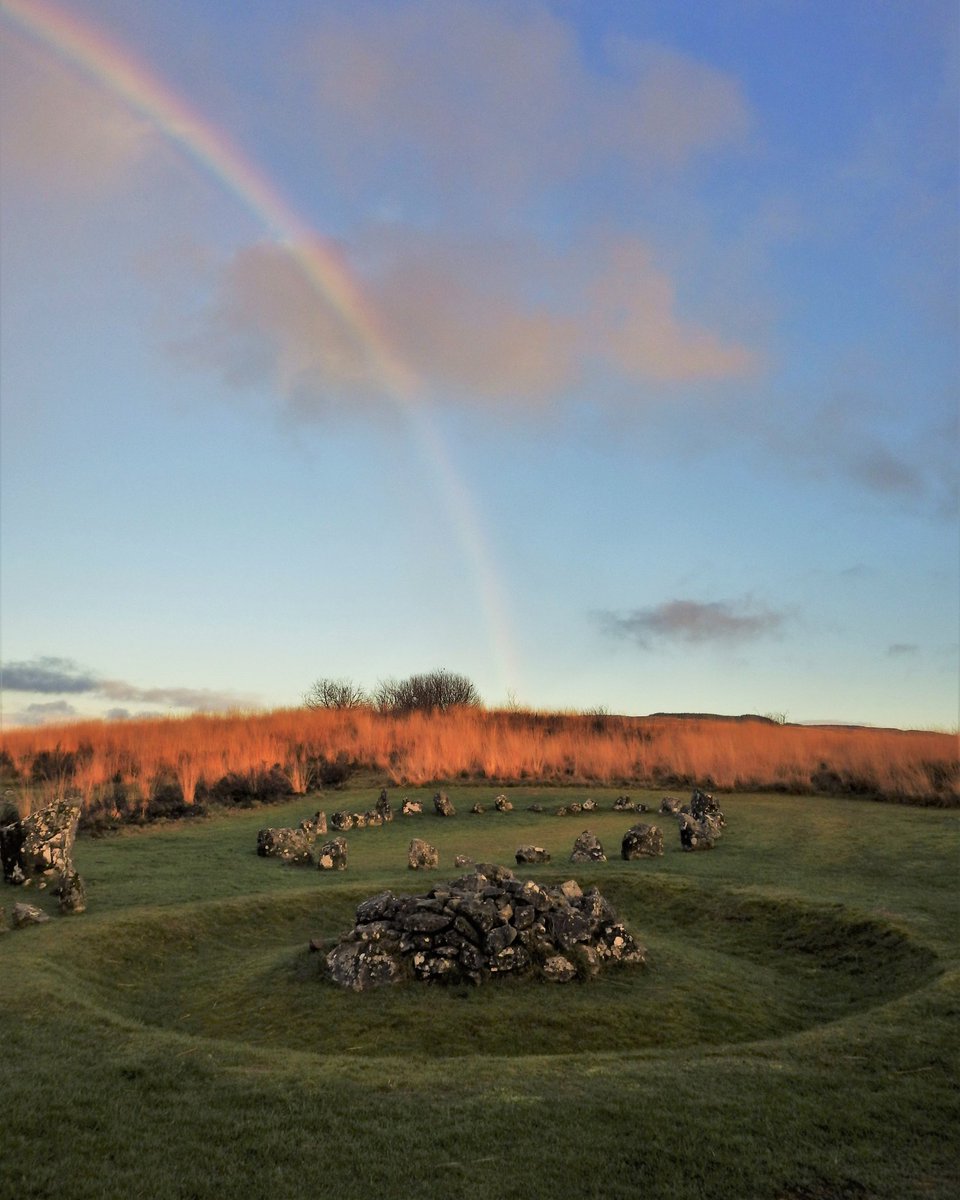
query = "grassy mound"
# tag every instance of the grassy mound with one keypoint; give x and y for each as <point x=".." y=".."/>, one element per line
<point x="793" y="1034"/>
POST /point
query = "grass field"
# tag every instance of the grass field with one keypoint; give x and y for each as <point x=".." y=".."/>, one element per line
<point x="794" y="1036"/>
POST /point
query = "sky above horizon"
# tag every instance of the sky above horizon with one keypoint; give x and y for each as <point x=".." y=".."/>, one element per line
<point x="603" y="352"/>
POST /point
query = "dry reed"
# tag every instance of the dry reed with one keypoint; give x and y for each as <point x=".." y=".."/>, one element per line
<point x="502" y="746"/>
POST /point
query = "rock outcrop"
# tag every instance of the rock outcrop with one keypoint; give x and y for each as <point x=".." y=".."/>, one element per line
<point x="587" y="848"/>
<point x="486" y="923"/>
<point x="641" y="841"/>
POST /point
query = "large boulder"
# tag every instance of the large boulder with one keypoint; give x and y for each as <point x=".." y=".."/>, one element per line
<point x="696" y="835"/>
<point x="486" y="923"/>
<point x="443" y="805"/>
<point x="641" y="841"/>
<point x="421" y="856"/>
<point x="704" y="808"/>
<point x="587" y="848"/>
<point x="41" y="843"/>
<point x="332" y="855"/>
<point x="289" y="845"/>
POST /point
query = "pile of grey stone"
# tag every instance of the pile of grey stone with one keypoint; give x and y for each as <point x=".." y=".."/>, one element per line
<point x="484" y="924"/>
<point x="37" y="848"/>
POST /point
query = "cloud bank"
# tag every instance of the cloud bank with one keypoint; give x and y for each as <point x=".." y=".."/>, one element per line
<point x="50" y="675"/>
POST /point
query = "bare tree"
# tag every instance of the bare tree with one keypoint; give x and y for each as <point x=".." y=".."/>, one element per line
<point x="432" y="691"/>
<point x="335" y="693"/>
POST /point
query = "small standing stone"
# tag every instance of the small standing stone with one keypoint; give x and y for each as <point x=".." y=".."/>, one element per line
<point x="332" y="855"/>
<point x="502" y="804"/>
<point x="72" y="892"/>
<point x="532" y="854"/>
<point x="28" y="914"/>
<point x="641" y="841"/>
<point x="587" y="848"/>
<point x="421" y="856"/>
<point x="441" y="802"/>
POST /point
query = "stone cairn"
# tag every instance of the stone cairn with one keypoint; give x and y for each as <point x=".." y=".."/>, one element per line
<point x="36" y="847"/>
<point x="484" y="924"/>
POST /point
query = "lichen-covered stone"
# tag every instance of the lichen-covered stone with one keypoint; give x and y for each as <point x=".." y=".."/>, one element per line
<point x="289" y="845"/>
<point x="315" y="826"/>
<point x="703" y="807"/>
<point x="383" y="806"/>
<point x="502" y="804"/>
<point x="587" y="848"/>
<point x="41" y="843"/>
<point x="72" y="894"/>
<point x="670" y="804"/>
<point x="558" y="969"/>
<point x="28" y="914"/>
<point x="332" y="855"/>
<point x="532" y="854"/>
<point x="641" y="841"/>
<point x="478" y="809"/>
<point x="588" y="806"/>
<point x="462" y="860"/>
<point x="696" y="835"/>
<point x="342" y="820"/>
<point x="411" y="808"/>
<point x="421" y="856"/>
<point x="443" y="805"/>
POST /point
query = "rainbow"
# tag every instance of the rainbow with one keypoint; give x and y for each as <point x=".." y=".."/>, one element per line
<point x="117" y="69"/>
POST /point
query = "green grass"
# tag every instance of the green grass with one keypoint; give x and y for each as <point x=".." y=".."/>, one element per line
<point x="793" y="1036"/>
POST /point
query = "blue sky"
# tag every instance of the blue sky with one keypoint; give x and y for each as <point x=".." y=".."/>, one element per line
<point x="677" y="289"/>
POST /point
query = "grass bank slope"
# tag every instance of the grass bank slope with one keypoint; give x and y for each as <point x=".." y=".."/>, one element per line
<point x="794" y="1035"/>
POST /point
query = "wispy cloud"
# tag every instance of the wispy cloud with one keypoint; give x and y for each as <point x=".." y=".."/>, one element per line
<point x="61" y="131"/>
<point x="49" y="675"/>
<point x="903" y="649"/>
<point x="491" y="101"/>
<point x="693" y="621"/>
